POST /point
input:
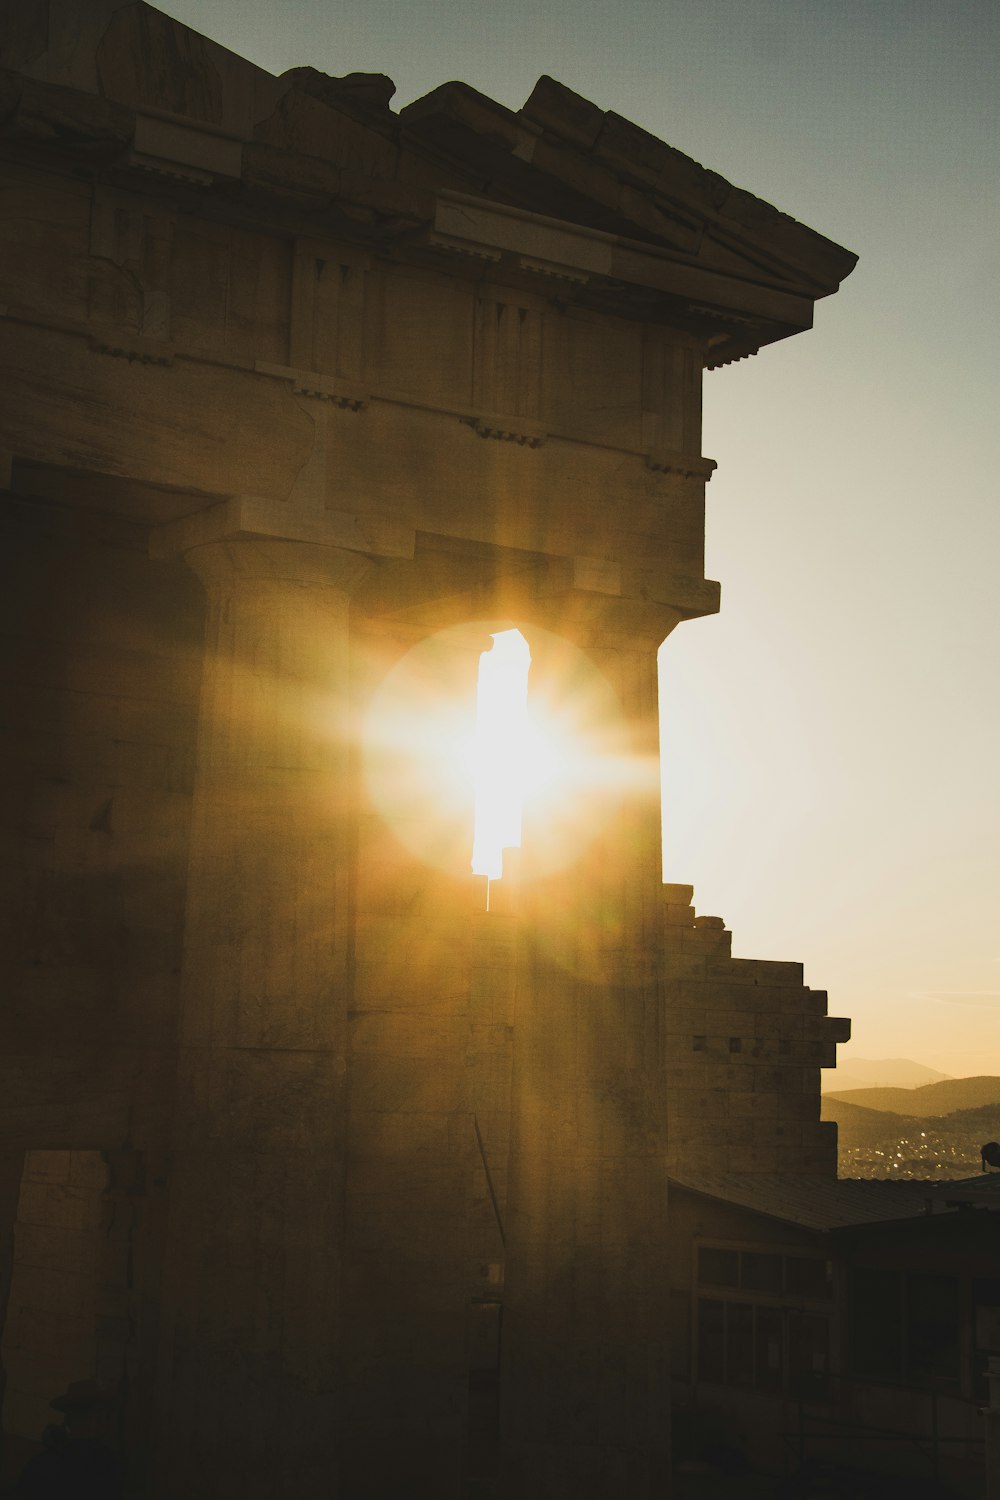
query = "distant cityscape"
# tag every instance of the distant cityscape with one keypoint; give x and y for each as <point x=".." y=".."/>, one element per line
<point x="918" y="1129"/>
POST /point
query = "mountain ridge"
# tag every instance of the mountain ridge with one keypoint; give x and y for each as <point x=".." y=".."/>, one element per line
<point x="884" y="1072"/>
<point x="927" y="1101"/>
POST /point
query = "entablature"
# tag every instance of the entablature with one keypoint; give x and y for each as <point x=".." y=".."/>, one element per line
<point x="581" y="203"/>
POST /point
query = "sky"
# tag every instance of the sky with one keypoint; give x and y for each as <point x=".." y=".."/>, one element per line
<point x="831" y="738"/>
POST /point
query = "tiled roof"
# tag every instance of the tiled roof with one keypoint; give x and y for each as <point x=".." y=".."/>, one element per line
<point x="835" y="1202"/>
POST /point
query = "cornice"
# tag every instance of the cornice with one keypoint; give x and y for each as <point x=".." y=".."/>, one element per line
<point x="214" y="170"/>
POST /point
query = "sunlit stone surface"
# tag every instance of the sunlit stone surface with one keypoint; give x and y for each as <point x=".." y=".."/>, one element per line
<point x="344" y="1185"/>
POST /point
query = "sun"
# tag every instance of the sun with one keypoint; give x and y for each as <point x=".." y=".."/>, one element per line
<point x="516" y="757"/>
<point x="537" y="749"/>
<point x="483" y="755"/>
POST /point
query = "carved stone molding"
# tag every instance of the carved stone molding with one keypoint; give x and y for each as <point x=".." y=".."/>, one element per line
<point x="464" y="248"/>
<point x="122" y="344"/>
<point x="174" y="170"/>
<point x="553" y="271"/>
<point x="329" y="290"/>
<point x="507" y="360"/>
<point x="339" y="393"/>
<point x="182" y="148"/>
<point x="508" y="430"/>
<point x="723" y="315"/>
<point x="683" y="464"/>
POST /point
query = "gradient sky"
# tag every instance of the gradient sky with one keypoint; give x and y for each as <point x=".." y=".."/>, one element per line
<point x="832" y="737"/>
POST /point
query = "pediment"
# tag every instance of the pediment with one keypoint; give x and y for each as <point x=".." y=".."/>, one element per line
<point x="559" y="189"/>
<point x="563" y="157"/>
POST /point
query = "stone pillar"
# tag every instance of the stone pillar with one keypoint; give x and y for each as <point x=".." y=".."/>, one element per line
<point x="410" y="1275"/>
<point x="251" y="1333"/>
<point x="584" y="1373"/>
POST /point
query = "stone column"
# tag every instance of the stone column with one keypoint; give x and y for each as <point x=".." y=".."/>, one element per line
<point x="409" y="1275"/>
<point x="584" y="1375"/>
<point x="251" y="1327"/>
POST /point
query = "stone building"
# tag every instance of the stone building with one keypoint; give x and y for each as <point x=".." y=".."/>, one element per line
<point x="339" y="1182"/>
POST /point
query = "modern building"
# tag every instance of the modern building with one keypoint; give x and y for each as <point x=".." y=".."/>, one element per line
<point x="836" y="1326"/>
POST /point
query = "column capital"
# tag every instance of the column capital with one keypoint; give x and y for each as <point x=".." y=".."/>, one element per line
<point x="267" y="561"/>
<point x="268" y="538"/>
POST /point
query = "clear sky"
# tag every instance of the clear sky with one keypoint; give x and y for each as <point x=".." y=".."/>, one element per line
<point x="833" y="738"/>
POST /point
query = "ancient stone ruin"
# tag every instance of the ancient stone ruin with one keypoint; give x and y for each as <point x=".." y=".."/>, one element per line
<point x="340" y="1184"/>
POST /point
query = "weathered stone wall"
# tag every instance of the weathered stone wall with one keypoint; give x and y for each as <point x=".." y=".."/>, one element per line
<point x="102" y="660"/>
<point x="284" y="343"/>
<point x="746" y="1040"/>
<point x="50" y="1333"/>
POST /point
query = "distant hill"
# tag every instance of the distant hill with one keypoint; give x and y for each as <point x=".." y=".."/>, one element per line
<point x="877" y="1143"/>
<point x="857" y="1126"/>
<point x="885" y="1072"/>
<point x="932" y="1099"/>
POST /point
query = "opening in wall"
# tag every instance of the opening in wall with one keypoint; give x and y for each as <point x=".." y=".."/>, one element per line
<point x="460" y="750"/>
<point x="502" y="752"/>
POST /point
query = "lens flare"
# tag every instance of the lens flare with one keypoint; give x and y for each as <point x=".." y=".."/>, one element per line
<point x="462" y="750"/>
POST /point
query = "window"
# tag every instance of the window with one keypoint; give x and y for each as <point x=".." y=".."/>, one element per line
<point x="680" y="1335"/>
<point x="770" y="1348"/>
<point x="875" y="1321"/>
<point x="764" y="1347"/>
<point x="761" y="1273"/>
<point x="718" y="1267"/>
<point x="808" y="1277"/>
<point x="809" y="1353"/>
<point x="761" y="1337"/>
<point x="986" y="1312"/>
<point x="932" y="1337"/>
<point x="904" y="1327"/>
<point x="711" y="1340"/>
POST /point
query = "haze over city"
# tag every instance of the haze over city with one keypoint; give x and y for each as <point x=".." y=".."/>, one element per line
<point x="831" y="738"/>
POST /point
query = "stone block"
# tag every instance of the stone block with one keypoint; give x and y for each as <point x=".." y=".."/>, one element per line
<point x="677" y="895"/>
<point x="758" y="971"/>
<point x="709" y="1104"/>
<point x="683" y="968"/>
<point x="784" y="1024"/>
<point x="26" y="1413"/>
<point x="259" y="1100"/>
<point x="776" y="1132"/>
<point x="88" y="1170"/>
<point x="748" y="1105"/>
<point x="408" y="1084"/>
<point x="777" y="1080"/>
<point x="47" y="1166"/>
<point x="59" y="1206"/>
<point x="698" y="940"/>
<point x="779" y="999"/>
<point x="801" y="1107"/>
<point x="392" y="982"/>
